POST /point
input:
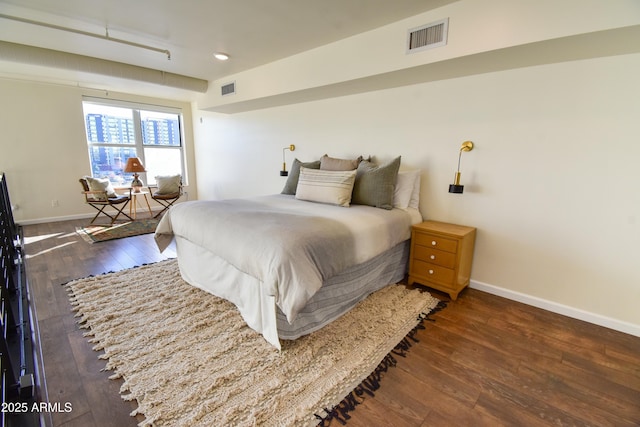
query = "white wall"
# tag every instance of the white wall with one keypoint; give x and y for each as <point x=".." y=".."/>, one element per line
<point x="550" y="185"/>
<point x="378" y="57"/>
<point x="44" y="147"/>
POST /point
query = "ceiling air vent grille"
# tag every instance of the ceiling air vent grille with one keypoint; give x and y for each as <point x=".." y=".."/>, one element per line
<point x="427" y="36"/>
<point x="228" y="89"/>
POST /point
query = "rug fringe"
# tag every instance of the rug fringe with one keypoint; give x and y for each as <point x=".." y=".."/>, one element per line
<point x="369" y="385"/>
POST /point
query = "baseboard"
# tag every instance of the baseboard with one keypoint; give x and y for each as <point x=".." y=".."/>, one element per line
<point x="53" y="219"/>
<point x="576" y="313"/>
<point x="140" y="211"/>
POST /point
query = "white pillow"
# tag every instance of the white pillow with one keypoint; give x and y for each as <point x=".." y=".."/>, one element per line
<point x="333" y="187"/>
<point x="168" y="184"/>
<point x="415" y="195"/>
<point x="405" y="188"/>
<point x="100" y="184"/>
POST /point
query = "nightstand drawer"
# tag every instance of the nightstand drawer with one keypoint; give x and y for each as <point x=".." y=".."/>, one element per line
<point x="436" y="242"/>
<point x="434" y="256"/>
<point x="433" y="272"/>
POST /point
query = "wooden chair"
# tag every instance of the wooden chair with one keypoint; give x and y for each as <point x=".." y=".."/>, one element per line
<point x="165" y="199"/>
<point x="100" y="200"/>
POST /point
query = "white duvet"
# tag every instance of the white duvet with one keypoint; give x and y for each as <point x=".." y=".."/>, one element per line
<point x="290" y="246"/>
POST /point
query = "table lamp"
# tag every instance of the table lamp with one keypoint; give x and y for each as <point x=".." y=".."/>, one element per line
<point x="135" y="165"/>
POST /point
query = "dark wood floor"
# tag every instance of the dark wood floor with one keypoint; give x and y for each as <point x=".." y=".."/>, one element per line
<point x="484" y="361"/>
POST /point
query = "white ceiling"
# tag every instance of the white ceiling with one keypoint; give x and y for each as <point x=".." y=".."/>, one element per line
<point x="252" y="32"/>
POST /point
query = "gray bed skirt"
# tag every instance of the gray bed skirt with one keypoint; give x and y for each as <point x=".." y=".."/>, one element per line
<point x="342" y="292"/>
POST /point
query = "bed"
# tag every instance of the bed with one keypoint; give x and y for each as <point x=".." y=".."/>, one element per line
<point x="290" y="265"/>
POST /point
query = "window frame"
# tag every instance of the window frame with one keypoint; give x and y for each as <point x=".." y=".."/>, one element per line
<point x="139" y="145"/>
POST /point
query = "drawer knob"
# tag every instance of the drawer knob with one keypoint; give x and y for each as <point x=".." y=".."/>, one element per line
<point x="432" y="257"/>
<point x="433" y="243"/>
<point x="430" y="271"/>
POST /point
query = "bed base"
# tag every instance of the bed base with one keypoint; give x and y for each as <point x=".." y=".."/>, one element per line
<point x="338" y="295"/>
<point x="341" y="293"/>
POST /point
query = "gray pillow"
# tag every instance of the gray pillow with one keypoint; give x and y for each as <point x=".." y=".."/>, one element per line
<point x="334" y="164"/>
<point x="294" y="174"/>
<point x="375" y="184"/>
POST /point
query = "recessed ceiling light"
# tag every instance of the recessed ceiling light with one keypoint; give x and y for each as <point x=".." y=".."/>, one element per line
<point x="221" y="56"/>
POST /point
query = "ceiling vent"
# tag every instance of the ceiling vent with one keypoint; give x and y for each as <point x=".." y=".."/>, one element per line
<point x="228" y="89"/>
<point x="427" y="36"/>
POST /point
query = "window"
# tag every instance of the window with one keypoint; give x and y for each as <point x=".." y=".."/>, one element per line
<point x="118" y="130"/>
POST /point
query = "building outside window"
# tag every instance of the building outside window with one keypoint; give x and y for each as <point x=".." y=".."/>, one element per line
<point x="118" y="130"/>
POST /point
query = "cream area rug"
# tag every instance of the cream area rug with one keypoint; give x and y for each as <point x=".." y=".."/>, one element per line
<point x="188" y="358"/>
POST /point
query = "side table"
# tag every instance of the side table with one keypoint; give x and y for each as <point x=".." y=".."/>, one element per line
<point x="441" y="256"/>
<point x="133" y="206"/>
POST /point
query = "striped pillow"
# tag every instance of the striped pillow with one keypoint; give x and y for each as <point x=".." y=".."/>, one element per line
<point x="333" y="187"/>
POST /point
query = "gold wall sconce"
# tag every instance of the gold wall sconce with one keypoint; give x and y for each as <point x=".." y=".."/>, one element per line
<point x="284" y="171"/>
<point x="456" y="187"/>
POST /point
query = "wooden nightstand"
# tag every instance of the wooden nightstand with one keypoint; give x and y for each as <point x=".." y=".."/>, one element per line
<point x="441" y="256"/>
